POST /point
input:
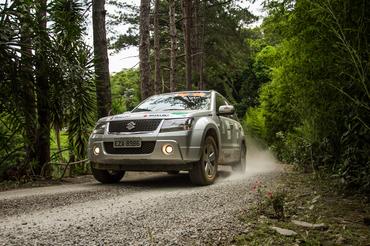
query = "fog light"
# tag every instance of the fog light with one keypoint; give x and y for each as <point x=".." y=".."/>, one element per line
<point x="96" y="150"/>
<point x="167" y="149"/>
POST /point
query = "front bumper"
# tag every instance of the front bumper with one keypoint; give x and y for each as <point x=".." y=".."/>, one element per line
<point x="185" y="152"/>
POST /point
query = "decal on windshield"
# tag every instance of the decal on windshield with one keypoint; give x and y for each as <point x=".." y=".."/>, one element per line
<point x="195" y="94"/>
<point x="120" y="116"/>
<point x="179" y="113"/>
<point x="182" y="94"/>
<point x="199" y="94"/>
<point x="158" y="115"/>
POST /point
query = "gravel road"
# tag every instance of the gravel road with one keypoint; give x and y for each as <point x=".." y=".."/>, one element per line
<point x="144" y="209"/>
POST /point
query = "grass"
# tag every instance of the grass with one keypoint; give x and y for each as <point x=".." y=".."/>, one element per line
<point x="311" y="200"/>
<point x="63" y="143"/>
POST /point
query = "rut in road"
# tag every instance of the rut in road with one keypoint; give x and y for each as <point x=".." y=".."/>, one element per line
<point x="143" y="209"/>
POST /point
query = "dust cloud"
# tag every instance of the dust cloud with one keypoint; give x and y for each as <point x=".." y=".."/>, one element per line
<point x="259" y="160"/>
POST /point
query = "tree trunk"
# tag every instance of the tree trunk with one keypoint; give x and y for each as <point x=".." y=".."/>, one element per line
<point x="195" y="43"/>
<point x="187" y="16"/>
<point x="42" y="89"/>
<point x="173" y="36"/>
<point x="202" y="85"/>
<point x="157" y="54"/>
<point x="144" y="49"/>
<point x="28" y="91"/>
<point x="103" y="92"/>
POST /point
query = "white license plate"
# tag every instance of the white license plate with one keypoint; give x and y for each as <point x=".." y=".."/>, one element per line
<point x="127" y="143"/>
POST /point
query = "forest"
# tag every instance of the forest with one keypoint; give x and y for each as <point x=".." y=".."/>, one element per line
<point x="299" y="80"/>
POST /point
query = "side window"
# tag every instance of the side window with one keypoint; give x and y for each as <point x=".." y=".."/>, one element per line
<point x="219" y="102"/>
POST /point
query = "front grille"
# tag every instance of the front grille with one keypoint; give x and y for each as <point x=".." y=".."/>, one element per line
<point x="147" y="147"/>
<point x="134" y="125"/>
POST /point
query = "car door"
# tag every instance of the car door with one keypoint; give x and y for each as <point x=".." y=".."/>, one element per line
<point x="235" y="132"/>
<point x="226" y="131"/>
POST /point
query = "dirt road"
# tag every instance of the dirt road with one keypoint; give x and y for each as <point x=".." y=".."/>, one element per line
<point x="145" y="208"/>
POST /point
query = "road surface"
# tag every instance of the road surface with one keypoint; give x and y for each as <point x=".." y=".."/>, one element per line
<point x="144" y="209"/>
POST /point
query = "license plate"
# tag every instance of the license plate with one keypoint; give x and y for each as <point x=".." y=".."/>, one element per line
<point x="127" y="143"/>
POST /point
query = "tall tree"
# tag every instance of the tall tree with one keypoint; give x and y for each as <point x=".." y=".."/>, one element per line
<point x="187" y="25"/>
<point x="157" y="50"/>
<point x="103" y="92"/>
<point x="42" y="89"/>
<point x="202" y="6"/>
<point x="173" y="37"/>
<point x="195" y="39"/>
<point x="144" y="49"/>
<point x="28" y="83"/>
<point x="45" y="79"/>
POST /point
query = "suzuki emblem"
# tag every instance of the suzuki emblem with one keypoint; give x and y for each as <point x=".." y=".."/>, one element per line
<point x="131" y="125"/>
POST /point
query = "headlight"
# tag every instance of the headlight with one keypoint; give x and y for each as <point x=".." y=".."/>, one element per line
<point x="100" y="128"/>
<point x="177" y="125"/>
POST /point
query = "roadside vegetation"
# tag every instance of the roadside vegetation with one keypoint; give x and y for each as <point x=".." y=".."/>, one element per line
<point x="314" y="111"/>
<point x="300" y="209"/>
<point x="46" y="85"/>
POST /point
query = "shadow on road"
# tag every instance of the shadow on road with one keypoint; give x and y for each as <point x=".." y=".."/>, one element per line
<point x="159" y="180"/>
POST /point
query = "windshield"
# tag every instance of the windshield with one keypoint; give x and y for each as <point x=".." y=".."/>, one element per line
<point x="176" y="101"/>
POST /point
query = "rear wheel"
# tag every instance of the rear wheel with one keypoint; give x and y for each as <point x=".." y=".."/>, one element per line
<point x="204" y="172"/>
<point x="107" y="176"/>
<point x="242" y="164"/>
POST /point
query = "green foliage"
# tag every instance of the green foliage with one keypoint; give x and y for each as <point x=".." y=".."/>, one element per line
<point x="228" y="62"/>
<point x="316" y="108"/>
<point x="255" y="122"/>
<point x="125" y="90"/>
<point x="71" y="96"/>
<point x="82" y="110"/>
<point x="73" y="90"/>
<point x="11" y="145"/>
<point x="63" y="145"/>
<point x="263" y="62"/>
<point x="11" y="120"/>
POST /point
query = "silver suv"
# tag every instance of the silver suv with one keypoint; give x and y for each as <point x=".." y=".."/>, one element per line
<point x="191" y="131"/>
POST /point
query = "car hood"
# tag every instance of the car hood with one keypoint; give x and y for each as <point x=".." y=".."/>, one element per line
<point x="159" y="115"/>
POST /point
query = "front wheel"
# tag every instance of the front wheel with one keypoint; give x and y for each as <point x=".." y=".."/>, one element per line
<point x="241" y="166"/>
<point x="107" y="176"/>
<point x="204" y="172"/>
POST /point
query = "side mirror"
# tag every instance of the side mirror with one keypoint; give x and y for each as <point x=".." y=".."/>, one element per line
<point x="226" y="110"/>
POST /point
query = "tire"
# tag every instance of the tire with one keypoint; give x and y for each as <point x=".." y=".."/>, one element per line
<point x="204" y="171"/>
<point x="107" y="177"/>
<point x="241" y="166"/>
<point x="173" y="172"/>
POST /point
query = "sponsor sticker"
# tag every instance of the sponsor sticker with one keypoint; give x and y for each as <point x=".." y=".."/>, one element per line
<point x="195" y="94"/>
<point x="179" y="113"/>
<point x="158" y="115"/>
